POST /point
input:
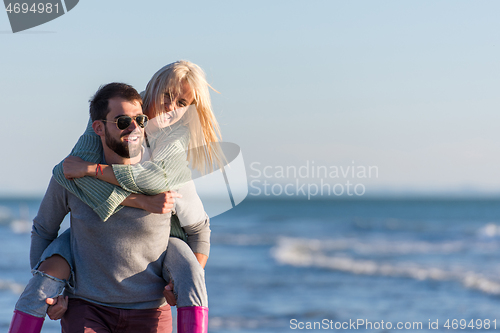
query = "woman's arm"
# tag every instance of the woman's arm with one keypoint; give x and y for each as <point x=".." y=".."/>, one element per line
<point x="158" y="204"/>
<point x="103" y="198"/>
<point x="196" y="235"/>
<point x="148" y="178"/>
<point x="75" y="167"/>
<point x="193" y="219"/>
<point x="167" y="170"/>
<point x="198" y="239"/>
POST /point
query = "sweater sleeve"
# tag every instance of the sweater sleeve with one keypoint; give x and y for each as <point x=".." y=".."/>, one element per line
<point x="46" y="224"/>
<point x="198" y="236"/>
<point x="193" y="219"/>
<point x="102" y="197"/>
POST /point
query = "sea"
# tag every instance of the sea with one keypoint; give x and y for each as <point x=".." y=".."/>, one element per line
<point x="364" y="264"/>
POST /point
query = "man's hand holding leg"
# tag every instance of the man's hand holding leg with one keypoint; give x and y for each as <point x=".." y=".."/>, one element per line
<point x="57" y="307"/>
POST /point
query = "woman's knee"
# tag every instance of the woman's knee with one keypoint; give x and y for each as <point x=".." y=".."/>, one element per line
<point x="180" y="260"/>
<point x="56" y="266"/>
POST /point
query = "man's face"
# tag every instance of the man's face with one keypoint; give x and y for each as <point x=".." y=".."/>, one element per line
<point x="126" y="143"/>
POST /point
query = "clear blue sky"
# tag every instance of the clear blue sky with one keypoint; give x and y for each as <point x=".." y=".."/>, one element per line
<point x="408" y="86"/>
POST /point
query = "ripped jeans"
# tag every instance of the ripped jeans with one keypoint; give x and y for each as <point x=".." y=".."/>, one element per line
<point x="180" y="265"/>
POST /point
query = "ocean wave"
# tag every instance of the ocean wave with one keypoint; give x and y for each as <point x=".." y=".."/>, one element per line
<point x="243" y="240"/>
<point x="21" y="226"/>
<point x="377" y="246"/>
<point x="11" y="286"/>
<point x="490" y="230"/>
<point x="240" y="323"/>
<point x="16" y="225"/>
<point x="301" y="252"/>
<point x="356" y="245"/>
<point x="5" y="215"/>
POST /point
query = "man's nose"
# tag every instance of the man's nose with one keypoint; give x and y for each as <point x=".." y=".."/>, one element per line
<point x="133" y="126"/>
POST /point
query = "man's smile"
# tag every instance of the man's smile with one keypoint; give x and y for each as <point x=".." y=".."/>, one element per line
<point x="130" y="138"/>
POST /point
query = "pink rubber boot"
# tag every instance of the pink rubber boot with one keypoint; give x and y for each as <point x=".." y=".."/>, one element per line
<point x="25" y="323"/>
<point x="192" y="319"/>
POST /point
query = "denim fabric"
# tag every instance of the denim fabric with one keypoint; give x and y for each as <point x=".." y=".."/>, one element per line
<point x="187" y="274"/>
<point x="39" y="288"/>
<point x="61" y="246"/>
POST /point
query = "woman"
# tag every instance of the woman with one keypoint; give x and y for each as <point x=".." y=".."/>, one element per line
<point x="178" y="103"/>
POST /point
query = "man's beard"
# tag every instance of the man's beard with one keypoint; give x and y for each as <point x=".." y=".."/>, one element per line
<point x="123" y="149"/>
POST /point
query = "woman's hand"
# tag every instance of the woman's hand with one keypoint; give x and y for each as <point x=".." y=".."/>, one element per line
<point x="168" y="292"/>
<point x="75" y="167"/>
<point x="161" y="203"/>
<point x="57" y="307"/>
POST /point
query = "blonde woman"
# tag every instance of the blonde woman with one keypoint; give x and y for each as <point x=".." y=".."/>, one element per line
<point x="181" y="130"/>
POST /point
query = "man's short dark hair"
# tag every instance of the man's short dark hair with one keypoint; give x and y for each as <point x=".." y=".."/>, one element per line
<point x="99" y="103"/>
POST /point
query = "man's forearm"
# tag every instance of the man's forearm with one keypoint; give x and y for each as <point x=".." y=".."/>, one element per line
<point x="38" y="245"/>
<point x="46" y="224"/>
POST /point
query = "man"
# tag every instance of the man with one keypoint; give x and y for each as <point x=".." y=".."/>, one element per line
<point x="118" y="263"/>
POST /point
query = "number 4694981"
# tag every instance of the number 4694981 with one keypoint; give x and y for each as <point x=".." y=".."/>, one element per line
<point x="473" y="324"/>
<point x="39" y="8"/>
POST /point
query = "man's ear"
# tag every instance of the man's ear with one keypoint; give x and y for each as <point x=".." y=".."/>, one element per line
<point x="98" y="127"/>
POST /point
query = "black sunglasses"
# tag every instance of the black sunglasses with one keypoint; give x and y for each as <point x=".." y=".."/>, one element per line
<point x="123" y="122"/>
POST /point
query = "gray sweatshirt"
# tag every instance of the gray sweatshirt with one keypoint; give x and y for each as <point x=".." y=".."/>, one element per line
<point x="118" y="262"/>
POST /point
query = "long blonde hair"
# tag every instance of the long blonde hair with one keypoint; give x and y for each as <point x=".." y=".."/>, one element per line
<point x="204" y="152"/>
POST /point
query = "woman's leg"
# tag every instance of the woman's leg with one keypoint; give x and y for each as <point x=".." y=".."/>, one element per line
<point x="188" y="276"/>
<point x="48" y="281"/>
<point x="56" y="266"/>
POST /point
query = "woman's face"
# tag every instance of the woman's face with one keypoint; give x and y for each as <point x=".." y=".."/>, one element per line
<point x="173" y="107"/>
<point x="172" y="102"/>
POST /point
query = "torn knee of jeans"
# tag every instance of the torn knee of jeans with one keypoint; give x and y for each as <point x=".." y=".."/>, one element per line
<point x="35" y="271"/>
